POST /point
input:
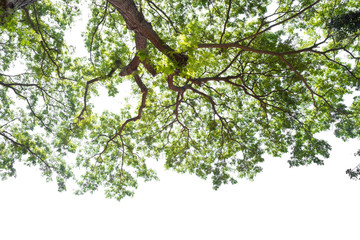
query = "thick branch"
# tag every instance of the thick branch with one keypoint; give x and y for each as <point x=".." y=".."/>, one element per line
<point x="141" y="43"/>
<point x="170" y="81"/>
<point x="135" y="21"/>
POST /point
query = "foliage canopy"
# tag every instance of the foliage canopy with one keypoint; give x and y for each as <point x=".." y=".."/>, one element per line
<point x="218" y="85"/>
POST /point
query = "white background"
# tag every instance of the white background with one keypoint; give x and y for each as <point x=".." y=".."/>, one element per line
<point x="313" y="202"/>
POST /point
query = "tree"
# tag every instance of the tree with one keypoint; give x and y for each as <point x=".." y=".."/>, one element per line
<point x="218" y="84"/>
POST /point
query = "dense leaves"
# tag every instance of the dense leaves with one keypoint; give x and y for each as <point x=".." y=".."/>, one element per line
<point x="345" y="23"/>
<point x="216" y="85"/>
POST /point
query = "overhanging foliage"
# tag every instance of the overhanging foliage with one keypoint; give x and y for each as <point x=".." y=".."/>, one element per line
<point x="219" y="84"/>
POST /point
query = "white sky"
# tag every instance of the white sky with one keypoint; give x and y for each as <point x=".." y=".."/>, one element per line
<point x="314" y="202"/>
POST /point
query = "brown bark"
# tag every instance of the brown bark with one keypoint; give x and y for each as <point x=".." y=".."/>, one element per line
<point x="140" y="42"/>
<point x="9" y="6"/>
<point x="135" y="21"/>
<point x="15" y="4"/>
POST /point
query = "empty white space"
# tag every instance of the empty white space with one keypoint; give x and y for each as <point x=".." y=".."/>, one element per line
<point x="313" y="202"/>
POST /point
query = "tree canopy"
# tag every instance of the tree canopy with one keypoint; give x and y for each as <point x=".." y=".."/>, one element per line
<point x="218" y="85"/>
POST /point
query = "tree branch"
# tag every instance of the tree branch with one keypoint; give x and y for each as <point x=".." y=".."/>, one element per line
<point x="135" y="21"/>
<point x="14" y="142"/>
<point x="92" y="81"/>
<point x="226" y="21"/>
<point x="144" y="91"/>
<point x="167" y="18"/>
<point x="281" y="22"/>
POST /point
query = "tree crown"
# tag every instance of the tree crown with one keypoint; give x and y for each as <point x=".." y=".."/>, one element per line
<point x="218" y="84"/>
